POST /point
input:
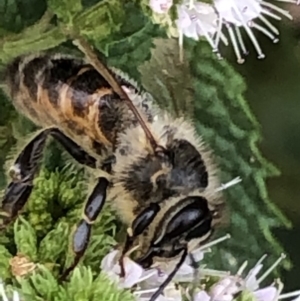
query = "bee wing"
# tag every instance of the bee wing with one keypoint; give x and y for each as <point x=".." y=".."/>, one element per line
<point x="168" y="79"/>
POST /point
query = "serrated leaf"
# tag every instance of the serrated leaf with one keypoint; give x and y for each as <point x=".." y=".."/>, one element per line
<point x="65" y="9"/>
<point x="54" y="244"/>
<point x="18" y="14"/>
<point x="101" y="20"/>
<point x="43" y="282"/>
<point x="5" y="257"/>
<point x="25" y="238"/>
<point x="82" y="287"/>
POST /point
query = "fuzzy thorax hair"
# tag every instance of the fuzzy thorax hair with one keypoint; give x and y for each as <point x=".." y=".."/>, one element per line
<point x="140" y="178"/>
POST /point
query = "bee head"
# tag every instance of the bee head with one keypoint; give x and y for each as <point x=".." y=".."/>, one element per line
<point x="167" y="197"/>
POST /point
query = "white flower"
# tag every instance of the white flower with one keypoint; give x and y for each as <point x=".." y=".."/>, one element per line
<point x="201" y="296"/>
<point x="186" y="272"/>
<point x="3" y="295"/>
<point x="160" y="6"/>
<point x="266" y="294"/>
<point x="198" y="20"/>
<point x="243" y="13"/>
<point x="133" y="272"/>
<point x="148" y="281"/>
<point x="227" y="287"/>
<point x="171" y="293"/>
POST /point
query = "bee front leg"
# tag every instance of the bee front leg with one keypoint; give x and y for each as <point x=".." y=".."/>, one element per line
<point x="23" y="171"/>
<point x="92" y="209"/>
<point x="26" y="167"/>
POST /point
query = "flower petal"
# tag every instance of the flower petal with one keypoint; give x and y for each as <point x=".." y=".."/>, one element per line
<point x="201" y="296"/>
<point x="109" y="260"/>
<point x="225" y="289"/>
<point x="238" y="11"/>
<point x="133" y="273"/>
<point x="266" y="294"/>
<point x="160" y="6"/>
<point x="251" y="281"/>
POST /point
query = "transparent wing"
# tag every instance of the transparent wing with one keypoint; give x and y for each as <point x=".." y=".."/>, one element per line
<point x="167" y="79"/>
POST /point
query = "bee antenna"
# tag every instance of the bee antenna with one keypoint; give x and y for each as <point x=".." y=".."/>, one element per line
<point x="85" y="47"/>
<point x="171" y="276"/>
<point x="162" y="153"/>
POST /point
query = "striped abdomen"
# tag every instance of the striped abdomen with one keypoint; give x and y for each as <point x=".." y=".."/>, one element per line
<point x="68" y="93"/>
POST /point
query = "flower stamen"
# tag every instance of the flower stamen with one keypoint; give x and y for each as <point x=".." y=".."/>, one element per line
<point x="278" y="9"/>
<point x="289" y="295"/>
<point x="265" y="31"/>
<point x="214" y="242"/>
<point x="270" y="14"/>
<point x="274" y="265"/>
<point x="235" y="180"/>
<point x="269" y="24"/>
<point x="235" y="45"/>
<point x="240" y="40"/>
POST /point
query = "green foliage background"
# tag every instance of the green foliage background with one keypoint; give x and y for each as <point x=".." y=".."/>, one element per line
<point x="205" y="89"/>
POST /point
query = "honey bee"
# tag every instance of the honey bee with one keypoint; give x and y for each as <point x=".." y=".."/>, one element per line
<point x="158" y="174"/>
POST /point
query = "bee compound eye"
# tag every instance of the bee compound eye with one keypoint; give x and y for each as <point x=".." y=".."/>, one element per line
<point x="144" y="219"/>
<point x="201" y="230"/>
<point x="189" y="217"/>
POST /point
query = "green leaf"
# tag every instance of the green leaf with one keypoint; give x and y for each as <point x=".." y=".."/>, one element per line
<point x="65" y="9"/>
<point x="25" y="238"/>
<point x="14" y="45"/>
<point x="101" y="20"/>
<point x="246" y="296"/>
<point x="81" y="287"/>
<point x="226" y="122"/>
<point x="5" y="257"/>
<point x="54" y="244"/>
<point x="18" y="14"/>
<point x="42" y="285"/>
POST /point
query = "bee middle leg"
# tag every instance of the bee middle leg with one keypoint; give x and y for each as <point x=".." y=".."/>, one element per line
<point x="92" y="209"/>
<point x="26" y="167"/>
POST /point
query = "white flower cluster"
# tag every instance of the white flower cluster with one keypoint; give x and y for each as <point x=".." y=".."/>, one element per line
<point x="3" y="296"/>
<point x="228" y="286"/>
<point x="196" y="19"/>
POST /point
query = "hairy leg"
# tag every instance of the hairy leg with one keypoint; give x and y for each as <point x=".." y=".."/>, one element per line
<point x="26" y="168"/>
<point x="82" y="234"/>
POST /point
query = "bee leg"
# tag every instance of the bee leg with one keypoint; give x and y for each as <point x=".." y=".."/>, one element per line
<point x="23" y="172"/>
<point x="82" y="233"/>
<point x="80" y="155"/>
<point x="26" y="167"/>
